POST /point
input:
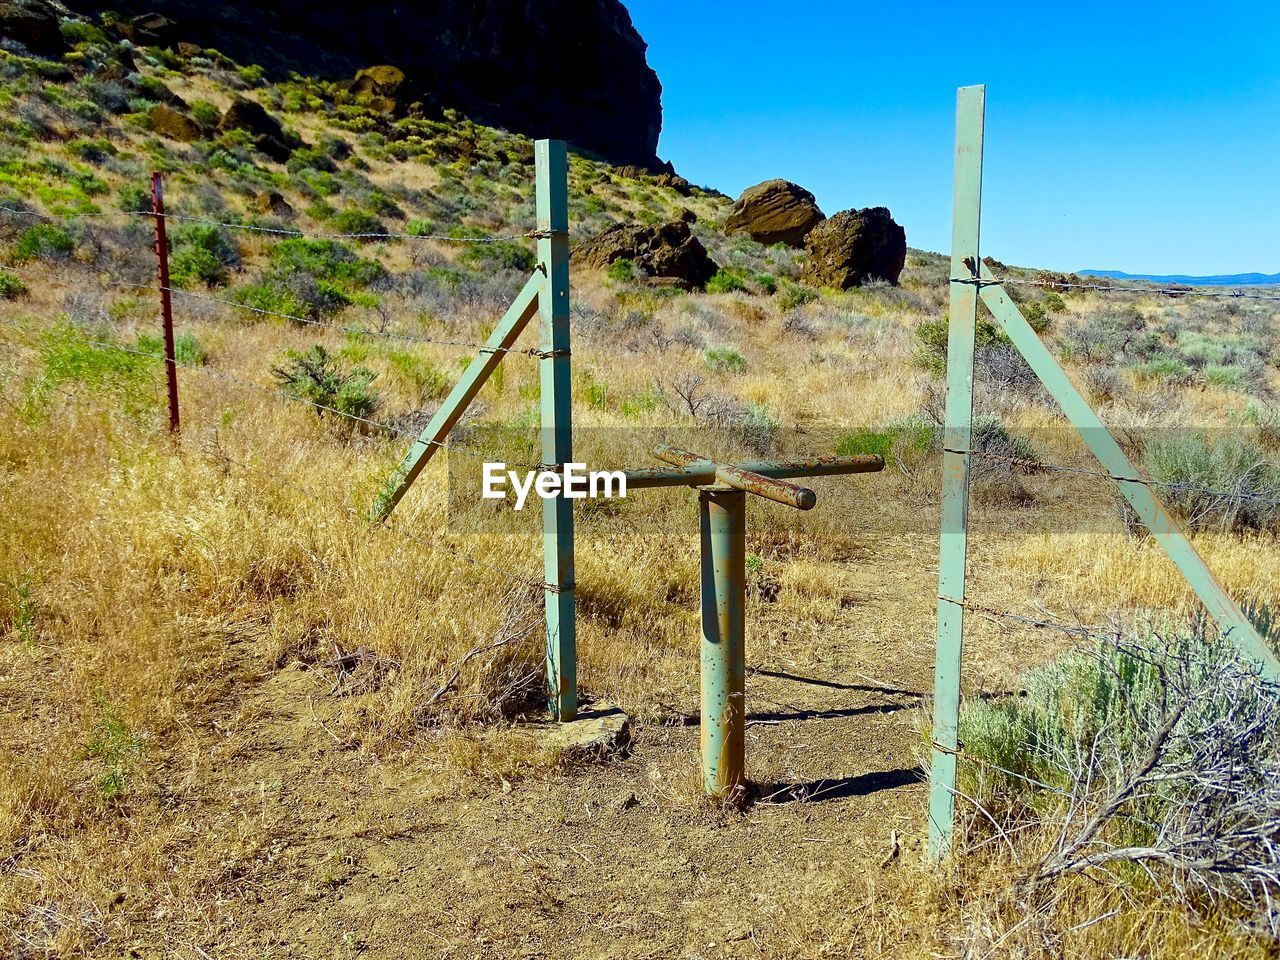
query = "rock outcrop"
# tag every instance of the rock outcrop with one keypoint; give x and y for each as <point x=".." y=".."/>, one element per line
<point x="168" y="122"/>
<point x="33" y="23"/>
<point x="855" y="247"/>
<point x="776" y="211"/>
<point x="573" y="69"/>
<point x="264" y="129"/>
<point x="667" y="253"/>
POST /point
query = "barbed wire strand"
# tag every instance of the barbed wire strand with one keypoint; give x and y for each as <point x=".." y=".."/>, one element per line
<point x="457" y="553"/>
<point x="355" y="331"/>
<point x="1236" y="293"/>
<point x="453" y="446"/>
<point x="1037" y="465"/>
<point x="388" y="527"/>
<point x="278" y="231"/>
<point x="478" y="345"/>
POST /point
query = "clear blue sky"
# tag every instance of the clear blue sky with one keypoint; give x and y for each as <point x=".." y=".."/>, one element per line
<point x="1131" y="136"/>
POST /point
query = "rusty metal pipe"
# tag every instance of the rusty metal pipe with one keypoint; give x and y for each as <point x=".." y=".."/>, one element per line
<point x="815" y="466"/>
<point x="695" y="476"/>
<point x="780" y="491"/>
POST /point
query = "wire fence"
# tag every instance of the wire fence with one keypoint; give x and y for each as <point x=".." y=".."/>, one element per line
<point x="1037" y="466"/>
<point x="275" y="231"/>
<point x="1175" y="292"/>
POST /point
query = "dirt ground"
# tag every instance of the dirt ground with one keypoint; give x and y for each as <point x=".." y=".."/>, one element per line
<point x="351" y="854"/>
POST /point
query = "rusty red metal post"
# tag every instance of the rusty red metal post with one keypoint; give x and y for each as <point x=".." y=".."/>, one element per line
<point x="166" y="304"/>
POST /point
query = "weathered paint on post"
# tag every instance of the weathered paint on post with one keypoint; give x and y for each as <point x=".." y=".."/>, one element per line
<point x="1140" y="496"/>
<point x="771" y="488"/>
<point x="954" y="538"/>
<point x="464" y="391"/>
<point x="552" y="176"/>
<point x="166" y="301"/>
<point x="723" y="517"/>
<point x="723" y="489"/>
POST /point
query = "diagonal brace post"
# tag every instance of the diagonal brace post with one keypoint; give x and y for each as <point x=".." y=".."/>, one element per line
<point x="464" y="391"/>
<point x="1233" y="623"/>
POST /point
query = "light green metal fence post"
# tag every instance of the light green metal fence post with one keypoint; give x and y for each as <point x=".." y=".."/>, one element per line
<point x="552" y="173"/>
<point x="1164" y="529"/>
<point x="954" y="540"/>
<point x="724" y="658"/>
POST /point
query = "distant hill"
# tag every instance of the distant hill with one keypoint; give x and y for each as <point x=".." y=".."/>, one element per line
<point x="1222" y="280"/>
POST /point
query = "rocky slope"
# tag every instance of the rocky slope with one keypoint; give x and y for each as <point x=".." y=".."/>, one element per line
<point x="572" y="69"/>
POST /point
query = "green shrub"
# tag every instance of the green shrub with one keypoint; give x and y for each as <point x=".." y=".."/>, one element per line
<point x="325" y="260"/>
<point x="11" y="286"/>
<point x="906" y="435"/>
<point x="319" y="377"/>
<point x="992" y="436"/>
<point x="865" y="442"/>
<point x="794" y="295"/>
<point x="641" y="403"/>
<point x="201" y="253"/>
<point x="505" y="253"/>
<point x="767" y="282"/>
<point x="1053" y="302"/>
<point x="133" y="198"/>
<point x="1238" y="467"/>
<point x="1226" y="375"/>
<point x="1165" y="369"/>
<point x="420" y="228"/>
<point x="117" y="750"/>
<point x="187" y="348"/>
<point x="726" y="280"/>
<point x="931" y="342"/>
<point x="759" y="427"/>
<point x="251" y="75"/>
<point x="622" y="270"/>
<point x="44" y="240"/>
<point x="205" y="113"/>
<point x="68" y="356"/>
<point x="423" y="378"/>
<point x="725" y="360"/>
<point x="358" y="221"/>
<point x="272" y="296"/>
<point x="78" y="31"/>
<point x="1034" y="313"/>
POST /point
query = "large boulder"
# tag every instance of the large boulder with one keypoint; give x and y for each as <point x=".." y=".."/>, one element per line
<point x="33" y="23"/>
<point x="148" y="30"/>
<point x="265" y="130"/>
<point x="168" y="122"/>
<point x="855" y="247"/>
<point x="667" y="253"/>
<point x="776" y="211"/>
<point x="382" y="80"/>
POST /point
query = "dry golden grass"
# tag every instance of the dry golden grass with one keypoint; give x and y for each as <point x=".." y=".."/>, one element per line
<point x="174" y="729"/>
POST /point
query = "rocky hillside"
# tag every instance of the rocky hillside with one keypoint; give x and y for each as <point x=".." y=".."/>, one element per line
<point x="569" y="69"/>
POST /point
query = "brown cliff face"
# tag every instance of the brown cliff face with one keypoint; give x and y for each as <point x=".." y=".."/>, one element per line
<point x="571" y="69"/>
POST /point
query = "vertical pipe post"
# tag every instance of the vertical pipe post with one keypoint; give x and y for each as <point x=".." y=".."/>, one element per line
<point x="957" y="433"/>
<point x="723" y="521"/>
<point x="166" y="305"/>
<point x="552" y="174"/>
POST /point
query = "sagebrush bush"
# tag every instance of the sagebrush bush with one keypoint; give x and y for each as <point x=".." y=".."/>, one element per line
<point x="44" y="240"/>
<point x="318" y="376"/>
<point x="725" y="360"/>
<point x="202" y="253"/>
<point x="11" y="286"/>
<point x="1220" y="482"/>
